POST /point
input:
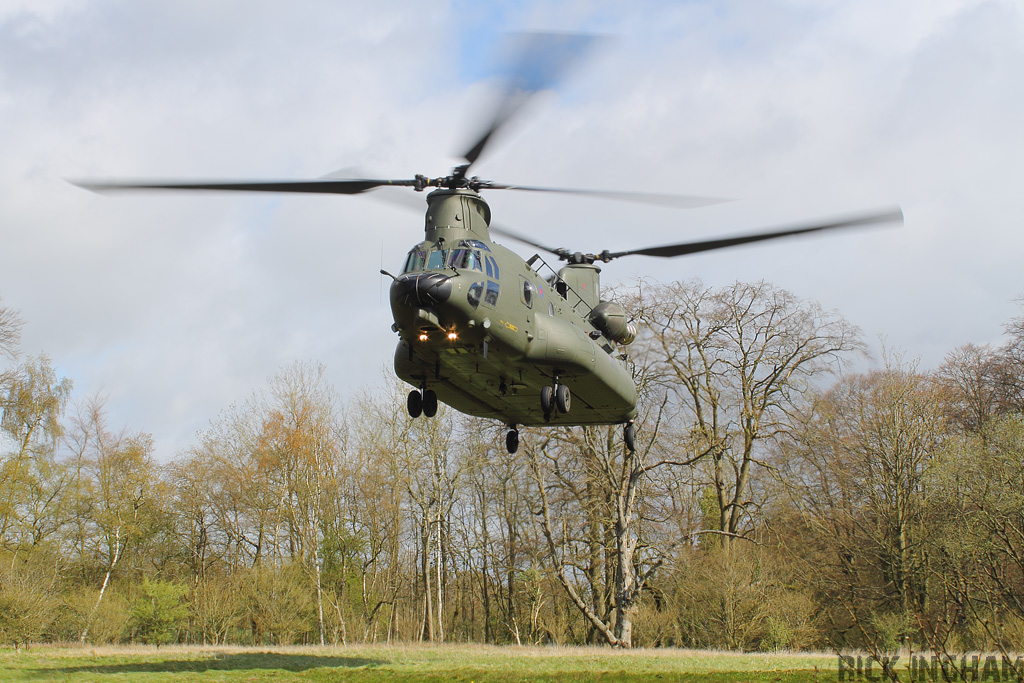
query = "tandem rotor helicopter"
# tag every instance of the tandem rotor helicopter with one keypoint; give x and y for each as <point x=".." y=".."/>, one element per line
<point x="487" y="332"/>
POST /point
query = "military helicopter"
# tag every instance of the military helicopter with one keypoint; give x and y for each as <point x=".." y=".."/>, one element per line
<point x="487" y="332"/>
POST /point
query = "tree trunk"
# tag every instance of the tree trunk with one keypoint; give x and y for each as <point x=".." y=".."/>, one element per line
<point x="103" y="588"/>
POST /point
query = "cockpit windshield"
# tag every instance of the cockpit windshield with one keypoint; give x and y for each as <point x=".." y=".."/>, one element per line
<point x="437" y="259"/>
<point x="420" y="258"/>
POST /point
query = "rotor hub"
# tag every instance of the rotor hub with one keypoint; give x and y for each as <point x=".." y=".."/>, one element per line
<point x="456" y="181"/>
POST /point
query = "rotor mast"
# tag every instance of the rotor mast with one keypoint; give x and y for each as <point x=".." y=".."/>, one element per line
<point x="456" y="214"/>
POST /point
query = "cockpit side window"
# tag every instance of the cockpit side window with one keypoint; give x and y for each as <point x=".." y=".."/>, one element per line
<point x="467" y="259"/>
<point x="417" y="256"/>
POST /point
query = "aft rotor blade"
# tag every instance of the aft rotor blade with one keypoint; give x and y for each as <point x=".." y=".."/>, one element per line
<point x="499" y="230"/>
<point x="888" y="216"/>
<point x="679" y="201"/>
<point x="537" y="62"/>
<point x="355" y="186"/>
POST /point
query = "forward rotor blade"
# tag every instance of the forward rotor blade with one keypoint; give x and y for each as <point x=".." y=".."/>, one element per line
<point x="678" y="201"/>
<point x="537" y="62"/>
<point x="355" y="186"/>
<point x="670" y="250"/>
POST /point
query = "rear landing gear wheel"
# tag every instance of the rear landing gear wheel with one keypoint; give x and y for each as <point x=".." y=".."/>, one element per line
<point x="512" y="440"/>
<point x="563" y="399"/>
<point x="547" y="400"/>
<point x="629" y="436"/>
<point x="429" y="403"/>
<point x="415" y="404"/>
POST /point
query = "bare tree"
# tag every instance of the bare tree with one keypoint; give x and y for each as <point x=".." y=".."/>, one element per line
<point x="1010" y="366"/>
<point x="371" y="517"/>
<point x="980" y="568"/>
<point x="594" y="517"/>
<point x="301" y="434"/>
<point x="116" y="492"/>
<point x="737" y="361"/>
<point x="973" y="378"/>
<point x="10" y="331"/>
<point x="430" y="479"/>
<point x="862" y="469"/>
<point x="32" y="483"/>
<point x="500" y="548"/>
<point x="422" y="458"/>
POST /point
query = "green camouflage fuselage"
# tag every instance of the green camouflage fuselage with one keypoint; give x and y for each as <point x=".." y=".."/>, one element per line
<point x="485" y="331"/>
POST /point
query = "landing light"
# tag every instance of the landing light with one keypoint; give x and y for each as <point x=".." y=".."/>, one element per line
<point x="452" y="336"/>
<point x="423" y="336"/>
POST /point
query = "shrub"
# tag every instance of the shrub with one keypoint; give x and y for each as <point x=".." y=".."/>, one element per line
<point x="157" y="612"/>
<point x="281" y="608"/>
<point x="27" y="606"/>
<point x="108" y="623"/>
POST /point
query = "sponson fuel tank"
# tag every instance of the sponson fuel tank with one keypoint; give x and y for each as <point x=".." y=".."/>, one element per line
<point x="611" y="318"/>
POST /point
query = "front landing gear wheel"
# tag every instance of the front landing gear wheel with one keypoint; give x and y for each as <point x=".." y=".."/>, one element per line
<point x="415" y="404"/>
<point x="629" y="436"/>
<point x="512" y="440"/>
<point x="429" y="403"/>
<point x="563" y="399"/>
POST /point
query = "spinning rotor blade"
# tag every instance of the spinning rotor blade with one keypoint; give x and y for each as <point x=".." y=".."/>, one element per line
<point x="499" y="230"/>
<point x="670" y="250"/>
<point x="678" y="201"/>
<point x="537" y="62"/>
<point x="355" y="186"/>
<point x="397" y="196"/>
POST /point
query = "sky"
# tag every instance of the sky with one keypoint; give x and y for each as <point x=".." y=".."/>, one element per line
<point x="174" y="307"/>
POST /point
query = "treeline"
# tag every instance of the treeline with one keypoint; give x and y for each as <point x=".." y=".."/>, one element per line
<point x="773" y="501"/>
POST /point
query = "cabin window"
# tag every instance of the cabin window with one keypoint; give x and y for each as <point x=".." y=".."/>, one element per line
<point x="417" y="257"/>
<point x="475" y="291"/>
<point x="492" y="267"/>
<point x="437" y="259"/>
<point x="491" y="298"/>
<point x="527" y="293"/>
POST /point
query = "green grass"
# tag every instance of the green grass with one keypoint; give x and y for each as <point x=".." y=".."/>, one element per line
<point x="407" y="663"/>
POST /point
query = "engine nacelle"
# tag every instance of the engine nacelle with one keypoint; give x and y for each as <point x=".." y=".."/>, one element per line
<point x="611" y="319"/>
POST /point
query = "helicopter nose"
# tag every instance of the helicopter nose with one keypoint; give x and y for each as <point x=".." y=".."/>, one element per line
<point x="422" y="289"/>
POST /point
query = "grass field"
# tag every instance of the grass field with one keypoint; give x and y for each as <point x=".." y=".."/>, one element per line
<point x="407" y="663"/>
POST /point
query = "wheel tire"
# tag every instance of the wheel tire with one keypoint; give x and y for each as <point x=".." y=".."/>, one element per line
<point x="414" y="404"/>
<point x="563" y="399"/>
<point x="429" y="403"/>
<point x="512" y="441"/>
<point x="547" y="400"/>
<point x="629" y="436"/>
